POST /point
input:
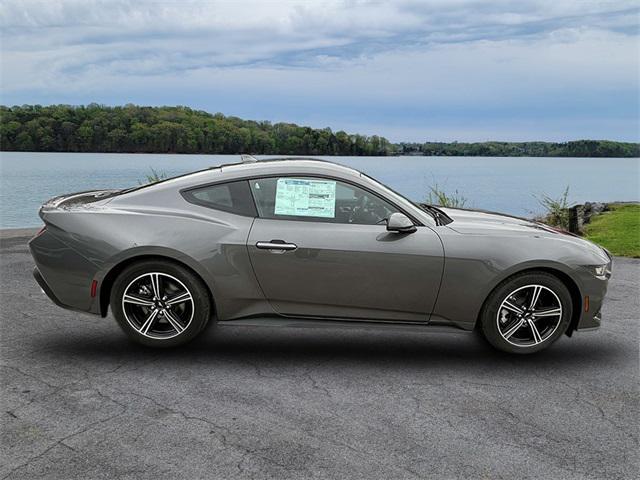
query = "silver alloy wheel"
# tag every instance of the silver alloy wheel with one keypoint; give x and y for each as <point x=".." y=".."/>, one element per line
<point x="529" y="315"/>
<point x="158" y="305"/>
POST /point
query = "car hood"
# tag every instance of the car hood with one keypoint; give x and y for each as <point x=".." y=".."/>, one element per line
<point x="478" y="222"/>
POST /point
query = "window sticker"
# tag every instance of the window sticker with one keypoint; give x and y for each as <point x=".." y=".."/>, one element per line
<point x="306" y="198"/>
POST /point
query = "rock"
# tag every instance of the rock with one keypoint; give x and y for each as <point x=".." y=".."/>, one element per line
<point x="579" y="215"/>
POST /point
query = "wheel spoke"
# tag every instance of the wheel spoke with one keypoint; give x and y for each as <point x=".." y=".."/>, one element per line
<point x="517" y="313"/>
<point x="148" y="310"/>
<point x="155" y="285"/>
<point x="175" y="323"/>
<point x="180" y="298"/>
<point x="128" y="298"/>
<point x="536" y="295"/>
<point x="513" y="329"/>
<point x="148" y="322"/>
<point x="550" y="312"/>
<point x="512" y="307"/>
<point x="534" y="330"/>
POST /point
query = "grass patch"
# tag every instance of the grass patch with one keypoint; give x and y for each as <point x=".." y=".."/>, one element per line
<point x="617" y="230"/>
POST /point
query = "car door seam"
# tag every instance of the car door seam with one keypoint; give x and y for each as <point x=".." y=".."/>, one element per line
<point x="444" y="261"/>
<point x="253" y="268"/>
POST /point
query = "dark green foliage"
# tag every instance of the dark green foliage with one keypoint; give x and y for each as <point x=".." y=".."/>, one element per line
<point x="578" y="148"/>
<point x="134" y="129"/>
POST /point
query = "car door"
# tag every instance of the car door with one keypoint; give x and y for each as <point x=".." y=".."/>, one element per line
<point x="320" y="247"/>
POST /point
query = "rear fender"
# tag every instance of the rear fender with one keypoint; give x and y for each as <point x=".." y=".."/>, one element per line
<point x="118" y="262"/>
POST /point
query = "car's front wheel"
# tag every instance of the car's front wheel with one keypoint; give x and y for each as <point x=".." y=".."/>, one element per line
<point x="526" y="313"/>
<point x="159" y="303"/>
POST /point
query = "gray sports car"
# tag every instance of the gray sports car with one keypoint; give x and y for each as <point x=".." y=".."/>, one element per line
<point x="302" y="242"/>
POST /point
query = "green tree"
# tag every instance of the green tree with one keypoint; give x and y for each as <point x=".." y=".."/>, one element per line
<point x="132" y="128"/>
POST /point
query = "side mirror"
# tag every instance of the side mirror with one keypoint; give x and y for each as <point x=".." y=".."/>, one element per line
<point x="399" y="222"/>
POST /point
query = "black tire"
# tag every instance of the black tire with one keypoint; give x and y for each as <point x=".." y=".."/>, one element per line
<point x="499" y="323"/>
<point x="164" y="328"/>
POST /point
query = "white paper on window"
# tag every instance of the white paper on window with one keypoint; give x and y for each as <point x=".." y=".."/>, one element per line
<point x="305" y="198"/>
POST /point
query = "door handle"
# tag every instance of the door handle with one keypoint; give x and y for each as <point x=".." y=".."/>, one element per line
<point x="276" y="245"/>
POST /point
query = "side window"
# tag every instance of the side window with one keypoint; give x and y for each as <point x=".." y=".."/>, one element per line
<point x="234" y="197"/>
<point x="319" y="200"/>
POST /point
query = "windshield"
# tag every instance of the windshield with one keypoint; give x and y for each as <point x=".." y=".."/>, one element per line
<point x="388" y="190"/>
<point x="438" y="215"/>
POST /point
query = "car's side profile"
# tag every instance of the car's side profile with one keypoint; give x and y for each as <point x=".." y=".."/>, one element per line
<point x="306" y="242"/>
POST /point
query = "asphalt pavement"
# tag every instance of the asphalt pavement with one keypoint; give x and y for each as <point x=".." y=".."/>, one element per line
<point x="79" y="401"/>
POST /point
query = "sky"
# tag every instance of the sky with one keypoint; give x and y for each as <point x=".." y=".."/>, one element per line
<point x="431" y="70"/>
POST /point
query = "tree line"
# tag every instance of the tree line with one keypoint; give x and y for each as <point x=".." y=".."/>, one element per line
<point x="577" y="148"/>
<point x="136" y="129"/>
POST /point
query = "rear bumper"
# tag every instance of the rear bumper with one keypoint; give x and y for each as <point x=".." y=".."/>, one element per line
<point x="47" y="289"/>
<point x="63" y="274"/>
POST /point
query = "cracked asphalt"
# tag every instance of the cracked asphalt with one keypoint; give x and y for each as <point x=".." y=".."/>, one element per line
<point x="80" y="401"/>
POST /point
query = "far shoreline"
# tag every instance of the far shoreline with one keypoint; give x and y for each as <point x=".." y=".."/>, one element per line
<point x="6" y="233"/>
<point x="162" y="129"/>
<point x="302" y="155"/>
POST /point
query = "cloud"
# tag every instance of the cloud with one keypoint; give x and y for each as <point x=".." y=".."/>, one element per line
<point x="451" y="67"/>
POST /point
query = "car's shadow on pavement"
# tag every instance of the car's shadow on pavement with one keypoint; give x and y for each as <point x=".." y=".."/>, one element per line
<point x="281" y="347"/>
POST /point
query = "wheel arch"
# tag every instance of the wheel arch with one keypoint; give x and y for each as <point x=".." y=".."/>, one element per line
<point x="117" y="268"/>
<point x="570" y="283"/>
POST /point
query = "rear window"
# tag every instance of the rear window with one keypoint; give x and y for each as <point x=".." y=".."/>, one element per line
<point x="234" y="197"/>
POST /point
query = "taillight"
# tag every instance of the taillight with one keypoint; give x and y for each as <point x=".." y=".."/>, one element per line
<point x="40" y="232"/>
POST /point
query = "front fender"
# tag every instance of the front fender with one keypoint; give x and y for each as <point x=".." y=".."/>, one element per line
<point x="548" y="265"/>
<point x="476" y="264"/>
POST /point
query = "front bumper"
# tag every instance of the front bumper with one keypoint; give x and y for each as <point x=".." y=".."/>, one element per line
<point x="597" y="319"/>
<point x="595" y="289"/>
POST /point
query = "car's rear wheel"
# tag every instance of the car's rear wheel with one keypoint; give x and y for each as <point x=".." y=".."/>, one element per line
<point x="526" y="313"/>
<point x="160" y="304"/>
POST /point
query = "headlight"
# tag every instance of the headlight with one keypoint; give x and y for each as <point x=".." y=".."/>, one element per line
<point x="600" y="271"/>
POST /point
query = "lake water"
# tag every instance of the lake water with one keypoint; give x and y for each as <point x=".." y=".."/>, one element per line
<point x="501" y="184"/>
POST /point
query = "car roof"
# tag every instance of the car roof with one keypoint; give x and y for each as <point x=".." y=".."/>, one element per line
<point x="229" y="171"/>
<point x="286" y="163"/>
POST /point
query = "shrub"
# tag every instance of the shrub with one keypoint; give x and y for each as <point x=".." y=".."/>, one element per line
<point x="154" y="177"/>
<point x="437" y="196"/>
<point x="556" y="209"/>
